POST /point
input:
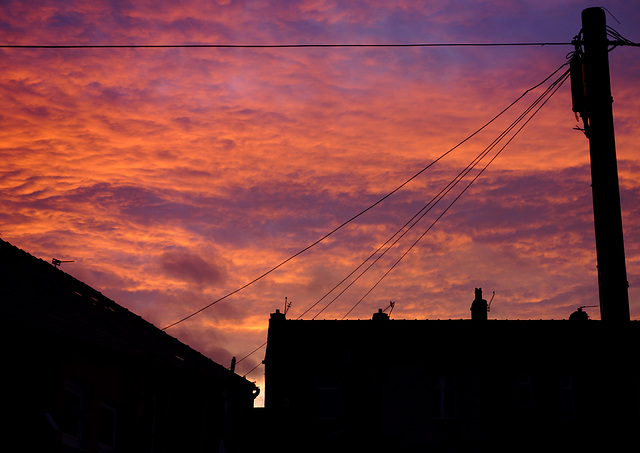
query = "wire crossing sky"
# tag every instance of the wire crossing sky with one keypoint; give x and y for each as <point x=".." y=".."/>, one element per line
<point x="273" y="46"/>
<point x="363" y="212"/>
<point x="532" y="110"/>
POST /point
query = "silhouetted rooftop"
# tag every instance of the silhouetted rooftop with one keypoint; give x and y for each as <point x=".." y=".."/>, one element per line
<point x="41" y="303"/>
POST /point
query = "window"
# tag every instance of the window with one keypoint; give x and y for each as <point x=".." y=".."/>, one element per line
<point x="525" y="391"/>
<point x="328" y="397"/>
<point x="442" y="397"/>
<point x="566" y="397"/>
<point x="74" y="415"/>
<point x="106" y="428"/>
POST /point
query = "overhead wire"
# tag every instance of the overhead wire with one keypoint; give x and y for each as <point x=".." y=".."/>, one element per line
<point x="408" y="226"/>
<point x="619" y="39"/>
<point x="346" y="222"/>
<point x="399" y="232"/>
<point x="465" y="171"/>
<point x="251" y="353"/>
<point x="552" y="90"/>
<point x="252" y="369"/>
<point x="295" y="255"/>
<point x="271" y="46"/>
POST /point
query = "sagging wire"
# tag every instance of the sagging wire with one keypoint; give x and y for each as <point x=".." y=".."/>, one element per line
<point x="541" y="101"/>
<point x="400" y="231"/>
<point x="420" y="212"/>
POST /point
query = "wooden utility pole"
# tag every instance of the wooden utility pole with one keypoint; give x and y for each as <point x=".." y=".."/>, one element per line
<point x="598" y="117"/>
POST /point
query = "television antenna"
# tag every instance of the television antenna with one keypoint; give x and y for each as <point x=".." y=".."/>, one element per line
<point x="489" y="304"/>
<point x="287" y="305"/>
<point x="390" y="307"/>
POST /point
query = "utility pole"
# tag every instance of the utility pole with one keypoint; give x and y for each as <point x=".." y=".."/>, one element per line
<point x="598" y="118"/>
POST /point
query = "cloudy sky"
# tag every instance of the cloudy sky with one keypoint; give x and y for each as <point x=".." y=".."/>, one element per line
<point x="174" y="176"/>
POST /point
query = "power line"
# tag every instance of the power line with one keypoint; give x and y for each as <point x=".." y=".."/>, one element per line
<point x="408" y="226"/>
<point x="273" y="269"/>
<point x="252" y="352"/>
<point x="552" y="89"/>
<point x="548" y="93"/>
<point x="440" y="196"/>
<point x="554" y="86"/>
<point x="273" y="46"/>
<point x="619" y="40"/>
<point x="410" y="220"/>
<point x="252" y="370"/>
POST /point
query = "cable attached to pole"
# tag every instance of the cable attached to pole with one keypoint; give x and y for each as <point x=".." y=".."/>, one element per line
<point x="552" y="90"/>
<point x="273" y="269"/>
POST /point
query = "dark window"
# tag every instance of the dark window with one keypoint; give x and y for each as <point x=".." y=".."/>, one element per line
<point x="566" y="397"/>
<point x="107" y="428"/>
<point x="74" y="415"/>
<point x="525" y="391"/>
<point x="328" y="397"/>
<point x="442" y="397"/>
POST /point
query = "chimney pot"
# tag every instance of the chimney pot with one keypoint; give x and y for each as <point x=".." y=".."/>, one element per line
<point x="479" y="307"/>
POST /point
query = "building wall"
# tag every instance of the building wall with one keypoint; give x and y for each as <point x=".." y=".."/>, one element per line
<point x="424" y="385"/>
<point x="97" y="401"/>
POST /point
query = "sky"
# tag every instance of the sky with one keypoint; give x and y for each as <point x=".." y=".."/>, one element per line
<point x="173" y="177"/>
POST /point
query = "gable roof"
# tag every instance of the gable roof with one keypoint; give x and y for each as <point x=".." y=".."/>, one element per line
<point x="41" y="301"/>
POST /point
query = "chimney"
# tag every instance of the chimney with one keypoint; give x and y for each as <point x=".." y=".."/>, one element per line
<point x="277" y="316"/>
<point x="380" y="316"/>
<point x="579" y="315"/>
<point x="479" y="307"/>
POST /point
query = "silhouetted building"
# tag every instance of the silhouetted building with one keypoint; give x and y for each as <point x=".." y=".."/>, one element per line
<point x="82" y="373"/>
<point x="452" y="385"/>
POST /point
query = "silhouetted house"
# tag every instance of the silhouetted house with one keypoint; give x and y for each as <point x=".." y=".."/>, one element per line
<point x="452" y="385"/>
<point x="82" y="373"/>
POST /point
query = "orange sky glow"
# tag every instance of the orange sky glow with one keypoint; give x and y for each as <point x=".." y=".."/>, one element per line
<point x="174" y="176"/>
